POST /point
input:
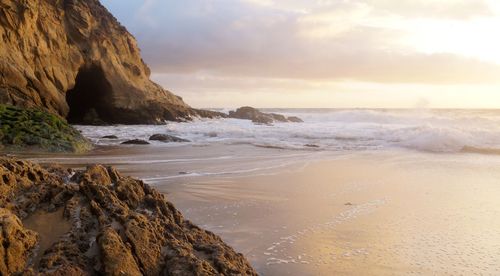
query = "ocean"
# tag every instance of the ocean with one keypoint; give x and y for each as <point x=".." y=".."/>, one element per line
<point x="335" y="130"/>
<point x="347" y="192"/>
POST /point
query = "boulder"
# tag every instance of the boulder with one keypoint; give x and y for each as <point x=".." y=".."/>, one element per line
<point x="135" y="142"/>
<point x="276" y="117"/>
<point x="36" y="130"/>
<point x="117" y="226"/>
<point x="295" y="119"/>
<point x="74" y="59"/>
<point x="167" y="138"/>
<point x="109" y="137"/>
<point x="250" y="113"/>
<point x="264" y="120"/>
<point x="245" y="112"/>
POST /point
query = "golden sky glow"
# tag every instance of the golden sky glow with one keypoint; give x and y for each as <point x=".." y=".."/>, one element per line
<point x="324" y="53"/>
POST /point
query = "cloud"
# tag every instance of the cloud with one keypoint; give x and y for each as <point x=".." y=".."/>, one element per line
<point x="260" y="2"/>
<point x="307" y="40"/>
<point x="451" y="9"/>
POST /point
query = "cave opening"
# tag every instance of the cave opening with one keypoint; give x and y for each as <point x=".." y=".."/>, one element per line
<point x="87" y="100"/>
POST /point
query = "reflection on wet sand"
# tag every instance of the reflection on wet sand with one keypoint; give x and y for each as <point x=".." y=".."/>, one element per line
<point x="301" y="213"/>
<point x="357" y="216"/>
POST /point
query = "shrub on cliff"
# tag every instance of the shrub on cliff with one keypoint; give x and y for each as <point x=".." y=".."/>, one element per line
<point x="34" y="129"/>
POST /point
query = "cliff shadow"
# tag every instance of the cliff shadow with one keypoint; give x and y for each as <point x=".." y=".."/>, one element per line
<point x="87" y="101"/>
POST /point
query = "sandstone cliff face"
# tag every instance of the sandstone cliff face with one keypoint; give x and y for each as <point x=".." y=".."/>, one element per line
<point x="73" y="58"/>
<point x="105" y="224"/>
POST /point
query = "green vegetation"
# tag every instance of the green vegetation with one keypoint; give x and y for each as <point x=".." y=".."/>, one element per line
<point x="34" y="129"/>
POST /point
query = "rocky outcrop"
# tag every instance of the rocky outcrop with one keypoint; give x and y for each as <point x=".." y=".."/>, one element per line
<point x="250" y="113"/>
<point x="36" y="130"/>
<point x="165" y="138"/>
<point x="135" y="142"/>
<point x="117" y="226"/>
<point x="112" y="137"/>
<point x="294" y="119"/>
<point x="16" y="242"/>
<point x="73" y="58"/>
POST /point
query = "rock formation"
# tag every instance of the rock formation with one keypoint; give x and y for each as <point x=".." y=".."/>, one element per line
<point x="135" y="142"/>
<point x="165" y="138"/>
<point x="108" y="225"/>
<point x="36" y="130"/>
<point x="73" y="58"/>
<point x="112" y="137"/>
<point x="250" y="113"/>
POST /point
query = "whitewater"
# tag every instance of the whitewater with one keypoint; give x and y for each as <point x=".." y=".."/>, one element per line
<point x="338" y="130"/>
<point x="347" y="192"/>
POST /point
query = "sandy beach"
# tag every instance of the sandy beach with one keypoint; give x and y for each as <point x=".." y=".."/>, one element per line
<point x="311" y="213"/>
<point x="250" y="137"/>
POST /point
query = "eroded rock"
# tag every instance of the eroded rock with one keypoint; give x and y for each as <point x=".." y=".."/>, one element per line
<point x="16" y="243"/>
<point x="110" y="137"/>
<point x="119" y="226"/>
<point x="135" y="142"/>
<point x="73" y="58"/>
<point x="250" y="113"/>
<point x="167" y="138"/>
<point x="116" y="256"/>
<point x="295" y="119"/>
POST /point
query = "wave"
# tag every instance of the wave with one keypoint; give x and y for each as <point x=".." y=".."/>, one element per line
<point x="270" y="169"/>
<point x="118" y="160"/>
<point x="447" y="131"/>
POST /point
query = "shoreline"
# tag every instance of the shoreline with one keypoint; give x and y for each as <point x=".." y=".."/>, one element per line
<point x="95" y="154"/>
<point x="351" y="214"/>
<point x="357" y="216"/>
<point x="59" y="221"/>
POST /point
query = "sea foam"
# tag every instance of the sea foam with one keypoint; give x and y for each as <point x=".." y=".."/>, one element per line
<point x="334" y="130"/>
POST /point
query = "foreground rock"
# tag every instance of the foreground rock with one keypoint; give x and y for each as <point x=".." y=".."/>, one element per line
<point x="73" y="58"/>
<point x="19" y="242"/>
<point x="167" y="138"/>
<point x="31" y="129"/>
<point x="118" y="226"/>
<point x="135" y="142"/>
<point x="250" y="113"/>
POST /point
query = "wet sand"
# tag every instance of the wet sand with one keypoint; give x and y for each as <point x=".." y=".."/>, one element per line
<point x="359" y="216"/>
<point x="304" y="213"/>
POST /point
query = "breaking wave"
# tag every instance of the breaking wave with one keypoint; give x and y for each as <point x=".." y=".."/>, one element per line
<point x="450" y="131"/>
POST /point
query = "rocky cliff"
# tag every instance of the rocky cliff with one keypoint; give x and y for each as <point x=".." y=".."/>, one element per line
<point x="55" y="221"/>
<point x="73" y="58"/>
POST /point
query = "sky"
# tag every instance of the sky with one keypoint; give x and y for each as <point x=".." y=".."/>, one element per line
<point x="321" y="53"/>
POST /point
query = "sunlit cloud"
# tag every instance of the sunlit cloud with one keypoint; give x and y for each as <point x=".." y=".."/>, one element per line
<point x="261" y="2"/>
<point x="425" y="44"/>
